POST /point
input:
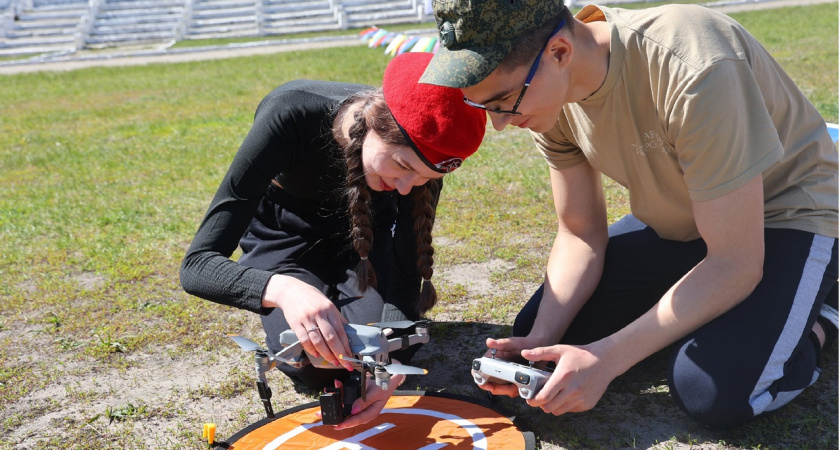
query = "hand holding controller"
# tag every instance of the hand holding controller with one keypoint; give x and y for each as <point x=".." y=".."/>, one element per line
<point x="528" y="379"/>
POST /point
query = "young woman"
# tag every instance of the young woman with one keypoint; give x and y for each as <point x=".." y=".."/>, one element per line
<point x="331" y="177"/>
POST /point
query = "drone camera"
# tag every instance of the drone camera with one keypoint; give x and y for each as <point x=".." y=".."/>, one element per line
<point x="337" y="403"/>
<point x="332" y="407"/>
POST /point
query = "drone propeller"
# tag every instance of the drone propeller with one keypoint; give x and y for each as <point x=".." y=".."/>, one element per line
<point x="393" y="369"/>
<point x="401" y="369"/>
<point x="251" y="346"/>
<point x="245" y="343"/>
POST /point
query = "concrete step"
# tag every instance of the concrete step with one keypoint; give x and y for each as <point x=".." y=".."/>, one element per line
<point x="279" y="14"/>
<point x="155" y="12"/>
<point x="15" y="33"/>
<point x="223" y="31"/>
<point x="45" y="24"/>
<point x="280" y="28"/>
<point x="38" y="41"/>
<point x="231" y="21"/>
<point x="222" y="34"/>
<point x="134" y="29"/>
<point x="223" y="5"/>
<point x="60" y="6"/>
<point x="381" y="22"/>
<point x="33" y="49"/>
<point x="214" y="13"/>
<point x="311" y="24"/>
<point x="121" y="21"/>
<point x="141" y="4"/>
<point x="128" y="38"/>
<point x="382" y="17"/>
<point x="377" y="6"/>
<point x="285" y="5"/>
<point x="133" y="16"/>
<point x="35" y="15"/>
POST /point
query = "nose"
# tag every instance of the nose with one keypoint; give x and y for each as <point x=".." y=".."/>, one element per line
<point x="408" y="181"/>
<point x="500" y="121"/>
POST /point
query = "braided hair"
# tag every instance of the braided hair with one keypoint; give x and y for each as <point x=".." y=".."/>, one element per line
<point x="373" y="115"/>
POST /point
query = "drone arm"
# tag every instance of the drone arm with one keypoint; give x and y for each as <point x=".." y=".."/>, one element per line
<point x="403" y="342"/>
<point x="292" y="355"/>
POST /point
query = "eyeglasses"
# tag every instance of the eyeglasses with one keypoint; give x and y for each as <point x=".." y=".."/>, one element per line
<point x="514" y="112"/>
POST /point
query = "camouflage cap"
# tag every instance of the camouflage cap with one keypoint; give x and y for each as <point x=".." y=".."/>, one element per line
<point x="476" y="35"/>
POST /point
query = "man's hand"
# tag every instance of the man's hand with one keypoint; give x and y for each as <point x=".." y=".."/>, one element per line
<point x="508" y="349"/>
<point x="578" y="381"/>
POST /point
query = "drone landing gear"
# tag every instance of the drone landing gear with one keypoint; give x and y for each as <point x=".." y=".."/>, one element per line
<point x="265" y="396"/>
<point x="263" y="364"/>
<point x="337" y="403"/>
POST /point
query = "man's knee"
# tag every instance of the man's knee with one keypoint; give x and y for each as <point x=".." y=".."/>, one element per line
<point x="712" y="401"/>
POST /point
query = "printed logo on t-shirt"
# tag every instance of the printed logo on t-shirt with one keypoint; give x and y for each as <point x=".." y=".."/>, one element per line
<point x="652" y="142"/>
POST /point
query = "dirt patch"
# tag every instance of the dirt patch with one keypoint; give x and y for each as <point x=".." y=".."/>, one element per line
<point x="476" y="277"/>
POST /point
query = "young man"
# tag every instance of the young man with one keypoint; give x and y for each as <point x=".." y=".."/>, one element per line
<point x="731" y="248"/>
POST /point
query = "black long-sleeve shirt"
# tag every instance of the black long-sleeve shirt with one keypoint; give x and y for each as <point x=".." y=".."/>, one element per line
<point x="291" y="141"/>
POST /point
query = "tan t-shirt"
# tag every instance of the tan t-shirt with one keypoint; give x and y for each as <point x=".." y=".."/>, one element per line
<point x="692" y="108"/>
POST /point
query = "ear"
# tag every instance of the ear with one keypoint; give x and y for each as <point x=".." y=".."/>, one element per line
<point x="560" y="49"/>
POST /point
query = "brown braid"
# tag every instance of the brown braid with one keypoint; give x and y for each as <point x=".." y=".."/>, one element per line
<point x="424" y="219"/>
<point x="358" y="195"/>
<point x="375" y="116"/>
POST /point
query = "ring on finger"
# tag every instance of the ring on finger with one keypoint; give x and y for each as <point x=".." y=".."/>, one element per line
<point x="314" y="328"/>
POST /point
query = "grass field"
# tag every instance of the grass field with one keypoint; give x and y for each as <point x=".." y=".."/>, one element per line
<point x="106" y="173"/>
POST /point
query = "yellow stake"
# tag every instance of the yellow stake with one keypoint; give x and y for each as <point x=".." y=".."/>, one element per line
<point x="209" y="432"/>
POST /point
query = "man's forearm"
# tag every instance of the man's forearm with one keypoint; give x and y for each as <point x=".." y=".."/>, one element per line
<point x="710" y="289"/>
<point x="573" y="271"/>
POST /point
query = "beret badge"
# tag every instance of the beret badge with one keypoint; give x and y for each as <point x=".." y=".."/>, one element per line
<point x="447" y="34"/>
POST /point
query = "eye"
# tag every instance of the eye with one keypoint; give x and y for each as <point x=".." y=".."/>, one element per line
<point x="502" y="101"/>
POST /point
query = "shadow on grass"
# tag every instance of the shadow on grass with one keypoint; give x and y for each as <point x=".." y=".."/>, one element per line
<point x="637" y="410"/>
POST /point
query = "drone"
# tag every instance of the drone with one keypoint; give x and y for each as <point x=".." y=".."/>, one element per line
<point x="370" y="349"/>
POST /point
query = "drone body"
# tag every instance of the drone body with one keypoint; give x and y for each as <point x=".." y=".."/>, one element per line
<point x="370" y="349"/>
<point x="367" y="343"/>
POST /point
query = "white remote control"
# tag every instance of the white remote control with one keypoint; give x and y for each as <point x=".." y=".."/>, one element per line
<point x="528" y="379"/>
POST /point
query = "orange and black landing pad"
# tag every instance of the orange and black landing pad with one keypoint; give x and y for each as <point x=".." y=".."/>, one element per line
<point x="410" y="420"/>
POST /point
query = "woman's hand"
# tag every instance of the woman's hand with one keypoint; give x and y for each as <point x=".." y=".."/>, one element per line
<point x="317" y="323"/>
<point x="363" y="412"/>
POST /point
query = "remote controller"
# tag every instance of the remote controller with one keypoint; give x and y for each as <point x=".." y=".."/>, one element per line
<point x="528" y="379"/>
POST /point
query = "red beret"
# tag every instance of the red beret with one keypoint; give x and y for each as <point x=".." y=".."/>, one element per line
<point x="441" y="128"/>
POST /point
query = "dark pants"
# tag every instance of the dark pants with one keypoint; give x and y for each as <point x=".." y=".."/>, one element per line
<point x="752" y="359"/>
<point x="310" y="244"/>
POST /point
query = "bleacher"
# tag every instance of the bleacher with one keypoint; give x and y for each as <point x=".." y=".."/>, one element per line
<point x="279" y="16"/>
<point x="46" y="26"/>
<point x="134" y="22"/>
<point x="41" y="26"/>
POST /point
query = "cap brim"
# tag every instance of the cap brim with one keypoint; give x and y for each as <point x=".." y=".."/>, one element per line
<point x="465" y="67"/>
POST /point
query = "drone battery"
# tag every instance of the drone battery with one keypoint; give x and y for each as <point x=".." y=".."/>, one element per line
<point x="332" y="409"/>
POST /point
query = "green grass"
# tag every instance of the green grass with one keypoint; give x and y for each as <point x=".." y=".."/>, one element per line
<point x="106" y="173"/>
